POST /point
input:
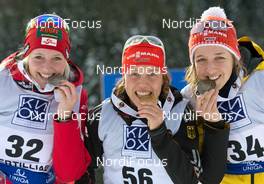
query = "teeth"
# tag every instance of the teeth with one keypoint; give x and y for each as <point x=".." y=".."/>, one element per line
<point x="214" y="77"/>
<point x="46" y="76"/>
<point x="141" y="93"/>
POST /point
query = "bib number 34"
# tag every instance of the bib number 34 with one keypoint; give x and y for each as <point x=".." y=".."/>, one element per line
<point x="253" y="148"/>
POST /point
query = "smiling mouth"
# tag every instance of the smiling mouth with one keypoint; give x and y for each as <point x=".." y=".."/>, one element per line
<point x="45" y="76"/>
<point x="214" y="78"/>
<point x="145" y="96"/>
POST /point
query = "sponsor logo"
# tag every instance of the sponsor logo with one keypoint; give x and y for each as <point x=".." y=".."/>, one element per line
<point x="136" y="141"/>
<point x="138" y="55"/>
<point x="207" y="32"/>
<point x="209" y="39"/>
<point x="252" y="166"/>
<point x="25" y="85"/>
<point x="26" y="166"/>
<point x="32" y="112"/>
<point x="234" y="112"/>
<point x="49" y="41"/>
<point x="19" y="176"/>
<point x="49" y="32"/>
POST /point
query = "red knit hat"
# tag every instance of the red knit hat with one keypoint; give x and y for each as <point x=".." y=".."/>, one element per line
<point x="214" y="29"/>
<point x="144" y="52"/>
<point x="47" y="31"/>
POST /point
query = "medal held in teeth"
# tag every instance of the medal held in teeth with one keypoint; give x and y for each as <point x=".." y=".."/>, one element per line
<point x="56" y="79"/>
<point x="148" y="98"/>
<point x="205" y="85"/>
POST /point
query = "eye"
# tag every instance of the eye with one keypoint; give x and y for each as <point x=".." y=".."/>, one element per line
<point x="134" y="74"/>
<point x="220" y="58"/>
<point x="38" y="57"/>
<point x="200" y="60"/>
<point x="152" y="74"/>
<point x="57" y="59"/>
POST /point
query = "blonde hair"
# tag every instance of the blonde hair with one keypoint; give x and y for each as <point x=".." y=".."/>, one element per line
<point x="120" y="90"/>
<point x="192" y="78"/>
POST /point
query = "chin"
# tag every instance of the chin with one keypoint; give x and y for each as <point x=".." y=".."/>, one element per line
<point x="219" y="87"/>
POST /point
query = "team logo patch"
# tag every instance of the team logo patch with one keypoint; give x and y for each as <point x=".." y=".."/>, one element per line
<point x="191" y="132"/>
<point x="32" y="112"/>
<point x="234" y="112"/>
<point x="136" y="141"/>
<point x="48" y="41"/>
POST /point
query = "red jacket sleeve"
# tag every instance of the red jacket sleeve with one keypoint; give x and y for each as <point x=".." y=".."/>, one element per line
<point x="70" y="157"/>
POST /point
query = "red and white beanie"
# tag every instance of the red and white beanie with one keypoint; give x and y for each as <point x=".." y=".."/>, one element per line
<point x="49" y="36"/>
<point x="143" y="54"/>
<point x="208" y="31"/>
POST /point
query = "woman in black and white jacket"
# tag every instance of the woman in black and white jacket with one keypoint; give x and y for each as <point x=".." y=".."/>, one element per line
<point x="146" y="133"/>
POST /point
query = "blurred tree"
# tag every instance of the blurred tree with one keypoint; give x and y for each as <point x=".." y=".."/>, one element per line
<point x="119" y="20"/>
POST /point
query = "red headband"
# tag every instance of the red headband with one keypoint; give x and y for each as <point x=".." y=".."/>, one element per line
<point x="143" y="54"/>
<point x="225" y="38"/>
<point x="48" y="38"/>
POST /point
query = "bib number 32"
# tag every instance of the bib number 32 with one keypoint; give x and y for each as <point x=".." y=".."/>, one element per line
<point x="17" y="144"/>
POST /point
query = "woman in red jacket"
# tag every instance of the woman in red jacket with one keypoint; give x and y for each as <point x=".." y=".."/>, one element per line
<point x="43" y="108"/>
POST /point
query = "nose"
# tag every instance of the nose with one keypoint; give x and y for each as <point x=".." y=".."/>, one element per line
<point x="210" y="68"/>
<point x="143" y="81"/>
<point x="47" y="66"/>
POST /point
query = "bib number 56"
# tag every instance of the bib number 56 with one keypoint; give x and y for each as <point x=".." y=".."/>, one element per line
<point x="130" y="177"/>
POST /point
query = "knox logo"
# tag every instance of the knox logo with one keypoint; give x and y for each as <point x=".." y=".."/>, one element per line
<point x="234" y="111"/>
<point x="32" y="112"/>
<point x="136" y="141"/>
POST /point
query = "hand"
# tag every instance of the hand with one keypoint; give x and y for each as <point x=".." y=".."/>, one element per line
<point x="68" y="98"/>
<point x="152" y="112"/>
<point x="206" y="106"/>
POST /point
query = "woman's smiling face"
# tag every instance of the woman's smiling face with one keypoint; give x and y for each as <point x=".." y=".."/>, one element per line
<point x="43" y="63"/>
<point x="143" y="81"/>
<point x="214" y="63"/>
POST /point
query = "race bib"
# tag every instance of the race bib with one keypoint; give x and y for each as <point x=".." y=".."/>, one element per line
<point x="247" y="145"/>
<point x="25" y="150"/>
